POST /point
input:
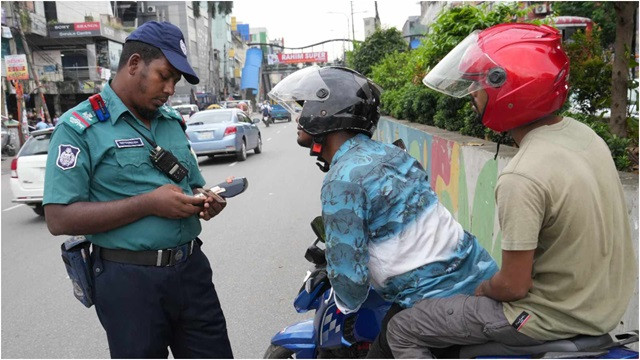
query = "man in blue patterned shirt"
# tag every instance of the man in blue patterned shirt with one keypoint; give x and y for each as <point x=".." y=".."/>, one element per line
<point x="384" y="225"/>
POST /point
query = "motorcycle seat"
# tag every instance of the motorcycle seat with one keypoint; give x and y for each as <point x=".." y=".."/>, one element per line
<point x="580" y="343"/>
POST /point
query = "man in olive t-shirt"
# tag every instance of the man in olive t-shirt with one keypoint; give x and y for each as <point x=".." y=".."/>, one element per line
<point x="568" y="264"/>
<point x="562" y="197"/>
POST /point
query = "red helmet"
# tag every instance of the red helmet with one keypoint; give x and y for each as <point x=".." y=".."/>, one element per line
<point x="522" y="67"/>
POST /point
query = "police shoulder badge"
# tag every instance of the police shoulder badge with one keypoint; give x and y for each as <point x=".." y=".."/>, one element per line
<point x="67" y="156"/>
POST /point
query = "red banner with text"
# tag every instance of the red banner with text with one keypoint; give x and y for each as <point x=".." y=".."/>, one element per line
<point x="319" y="57"/>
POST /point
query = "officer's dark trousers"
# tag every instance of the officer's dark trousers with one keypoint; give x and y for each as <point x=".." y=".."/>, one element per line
<point x="145" y="309"/>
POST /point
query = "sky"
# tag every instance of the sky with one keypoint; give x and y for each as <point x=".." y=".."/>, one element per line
<point x="305" y="22"/>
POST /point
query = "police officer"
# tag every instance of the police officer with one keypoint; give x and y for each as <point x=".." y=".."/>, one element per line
<point x="153" y="286"/>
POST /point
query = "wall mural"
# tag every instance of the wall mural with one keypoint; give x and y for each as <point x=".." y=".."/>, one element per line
<point x="455" y="180"/>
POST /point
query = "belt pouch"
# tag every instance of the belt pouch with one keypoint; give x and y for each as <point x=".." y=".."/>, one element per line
<point x="77" y="260"/>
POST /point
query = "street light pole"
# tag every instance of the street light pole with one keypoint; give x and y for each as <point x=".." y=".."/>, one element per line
<point x="353" y="32"/>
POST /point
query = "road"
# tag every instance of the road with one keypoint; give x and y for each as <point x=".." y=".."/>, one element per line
<point x="256" y="247"/>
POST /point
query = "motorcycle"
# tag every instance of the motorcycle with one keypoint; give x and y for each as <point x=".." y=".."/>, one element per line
<point x="332" y="334"/>
<point x="266" y="119"/>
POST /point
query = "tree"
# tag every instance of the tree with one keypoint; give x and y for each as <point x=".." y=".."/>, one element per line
<point x="625" y="13"/>
<point x="375" y="48"/>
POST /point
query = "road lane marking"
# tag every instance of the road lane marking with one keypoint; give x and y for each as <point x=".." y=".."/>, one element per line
<point x="269" y="139"/>
<point x="232" y="164"/>
<point x="14" y="207"/>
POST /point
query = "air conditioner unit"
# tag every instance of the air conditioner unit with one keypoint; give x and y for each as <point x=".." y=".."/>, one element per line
<point x="540" y="9"/>
<point x="151" y="9"/>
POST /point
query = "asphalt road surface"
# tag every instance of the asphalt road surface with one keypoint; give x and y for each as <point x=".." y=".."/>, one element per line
<point x="256" y="248"/>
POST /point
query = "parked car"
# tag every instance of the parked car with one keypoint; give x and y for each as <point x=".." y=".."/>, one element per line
<point x="224" y="132"/>
<point x="186" y="110"/>
<point x="28" y="168"/>
<point x="278" y="112"/>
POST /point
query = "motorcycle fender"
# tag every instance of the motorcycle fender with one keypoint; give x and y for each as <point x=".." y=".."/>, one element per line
<point x="298" y="338"/>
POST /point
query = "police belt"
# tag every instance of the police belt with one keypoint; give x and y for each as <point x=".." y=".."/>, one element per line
<point x="167" y="257"/>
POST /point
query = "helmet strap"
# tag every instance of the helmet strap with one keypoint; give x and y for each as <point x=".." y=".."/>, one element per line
<point x="501" y="139"/>
<point x="316" y="150"/>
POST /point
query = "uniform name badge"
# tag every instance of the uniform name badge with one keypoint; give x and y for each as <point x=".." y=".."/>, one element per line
<point x="67" y="156"/>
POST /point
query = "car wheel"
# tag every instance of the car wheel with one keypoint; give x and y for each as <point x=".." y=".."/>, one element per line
<point x="258" y="149"/>
<point x="289" y="118"/>
<point x="39" y="209"/>
<point x="242" y="154"/>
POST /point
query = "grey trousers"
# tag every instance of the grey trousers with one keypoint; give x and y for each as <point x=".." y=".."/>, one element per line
<point x="443" y="322"/>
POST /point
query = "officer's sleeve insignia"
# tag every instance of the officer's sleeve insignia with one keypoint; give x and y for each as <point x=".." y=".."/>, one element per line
<point x="67" y="156"/>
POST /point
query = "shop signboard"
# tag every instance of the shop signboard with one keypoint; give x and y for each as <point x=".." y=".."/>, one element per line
<point x="295" y="58"/>
<point x="74" y="30"/>
<point x="16" y="67"/>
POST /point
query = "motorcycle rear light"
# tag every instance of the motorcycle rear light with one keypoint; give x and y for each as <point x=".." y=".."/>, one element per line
<point x="230" y="130"/>
<point x="14" y="168"/>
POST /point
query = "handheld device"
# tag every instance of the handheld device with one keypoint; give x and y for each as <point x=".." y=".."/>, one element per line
<point x="229" y="188"/>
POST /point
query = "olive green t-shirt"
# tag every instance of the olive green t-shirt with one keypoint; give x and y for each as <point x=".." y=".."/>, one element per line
<point x="561" y="195"/>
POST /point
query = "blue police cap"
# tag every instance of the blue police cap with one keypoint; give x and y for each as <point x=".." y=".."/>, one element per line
<point x="169" y="39"/>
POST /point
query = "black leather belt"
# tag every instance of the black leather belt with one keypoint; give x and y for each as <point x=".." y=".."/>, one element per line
<point x="167" y="257"/>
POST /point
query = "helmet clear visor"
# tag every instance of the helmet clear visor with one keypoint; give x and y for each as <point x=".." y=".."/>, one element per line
<point x="304" y="84"/>
<point x="463" y="71"/>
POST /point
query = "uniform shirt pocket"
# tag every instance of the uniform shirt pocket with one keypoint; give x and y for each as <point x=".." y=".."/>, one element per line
<point x="135" y="170"/>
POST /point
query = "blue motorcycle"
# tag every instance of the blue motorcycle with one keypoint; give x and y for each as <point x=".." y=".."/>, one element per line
<point x="332" y="334"/>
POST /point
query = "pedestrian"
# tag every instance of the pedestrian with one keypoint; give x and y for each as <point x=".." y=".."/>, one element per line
<point x="568" y="263"/>
<point x="153" y="285"/>
<point x="384" y="225"/>
<point x="56" y="119"/>
<point x="41" y="124"/>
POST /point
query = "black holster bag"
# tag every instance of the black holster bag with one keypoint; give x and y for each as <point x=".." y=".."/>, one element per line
<point x="77" y="259"/>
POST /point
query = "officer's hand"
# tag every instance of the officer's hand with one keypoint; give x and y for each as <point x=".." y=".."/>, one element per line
<point x="170" y="202"/>
<point x="213" y="204"/>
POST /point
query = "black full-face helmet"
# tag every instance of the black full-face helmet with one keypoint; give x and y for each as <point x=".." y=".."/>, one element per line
<point x="330" y="99"/>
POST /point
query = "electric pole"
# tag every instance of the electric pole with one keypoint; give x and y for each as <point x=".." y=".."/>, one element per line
<point x="18" y="17"/>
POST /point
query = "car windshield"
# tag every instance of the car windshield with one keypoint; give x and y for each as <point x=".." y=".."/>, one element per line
<point x="210" y="117"/>
<point x="36" y="145"/>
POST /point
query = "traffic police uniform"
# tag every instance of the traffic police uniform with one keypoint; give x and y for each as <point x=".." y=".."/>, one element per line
<point x="143" y="308"/>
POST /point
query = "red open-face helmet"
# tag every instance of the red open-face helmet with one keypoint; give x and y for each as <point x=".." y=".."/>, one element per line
<point x="522" y="67"/>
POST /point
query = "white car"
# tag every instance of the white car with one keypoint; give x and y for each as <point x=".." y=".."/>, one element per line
<point x="28" y="168"/>
<point x="186" y="110"/>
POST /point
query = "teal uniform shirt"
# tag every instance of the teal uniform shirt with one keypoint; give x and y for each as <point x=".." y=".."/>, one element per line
<point x="92" y="161"/>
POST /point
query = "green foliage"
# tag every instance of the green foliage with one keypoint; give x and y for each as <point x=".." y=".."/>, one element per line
<point x="601" y="12"/>
<point x="591" y="72"/>
<point x="374" y="48"/>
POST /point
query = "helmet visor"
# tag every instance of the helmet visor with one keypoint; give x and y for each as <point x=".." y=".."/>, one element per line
<point x="463" y="71"/>
<point x="302" y="85"/>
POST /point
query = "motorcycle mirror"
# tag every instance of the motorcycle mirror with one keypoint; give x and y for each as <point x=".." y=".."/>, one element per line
<point x="315" y="255"/>
<point x="317" y="225"/>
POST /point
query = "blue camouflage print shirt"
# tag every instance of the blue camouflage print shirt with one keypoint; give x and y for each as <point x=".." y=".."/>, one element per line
<point x="385" y="228"/>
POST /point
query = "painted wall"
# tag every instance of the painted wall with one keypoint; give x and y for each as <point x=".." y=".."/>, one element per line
<point x="463" y="172"/>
